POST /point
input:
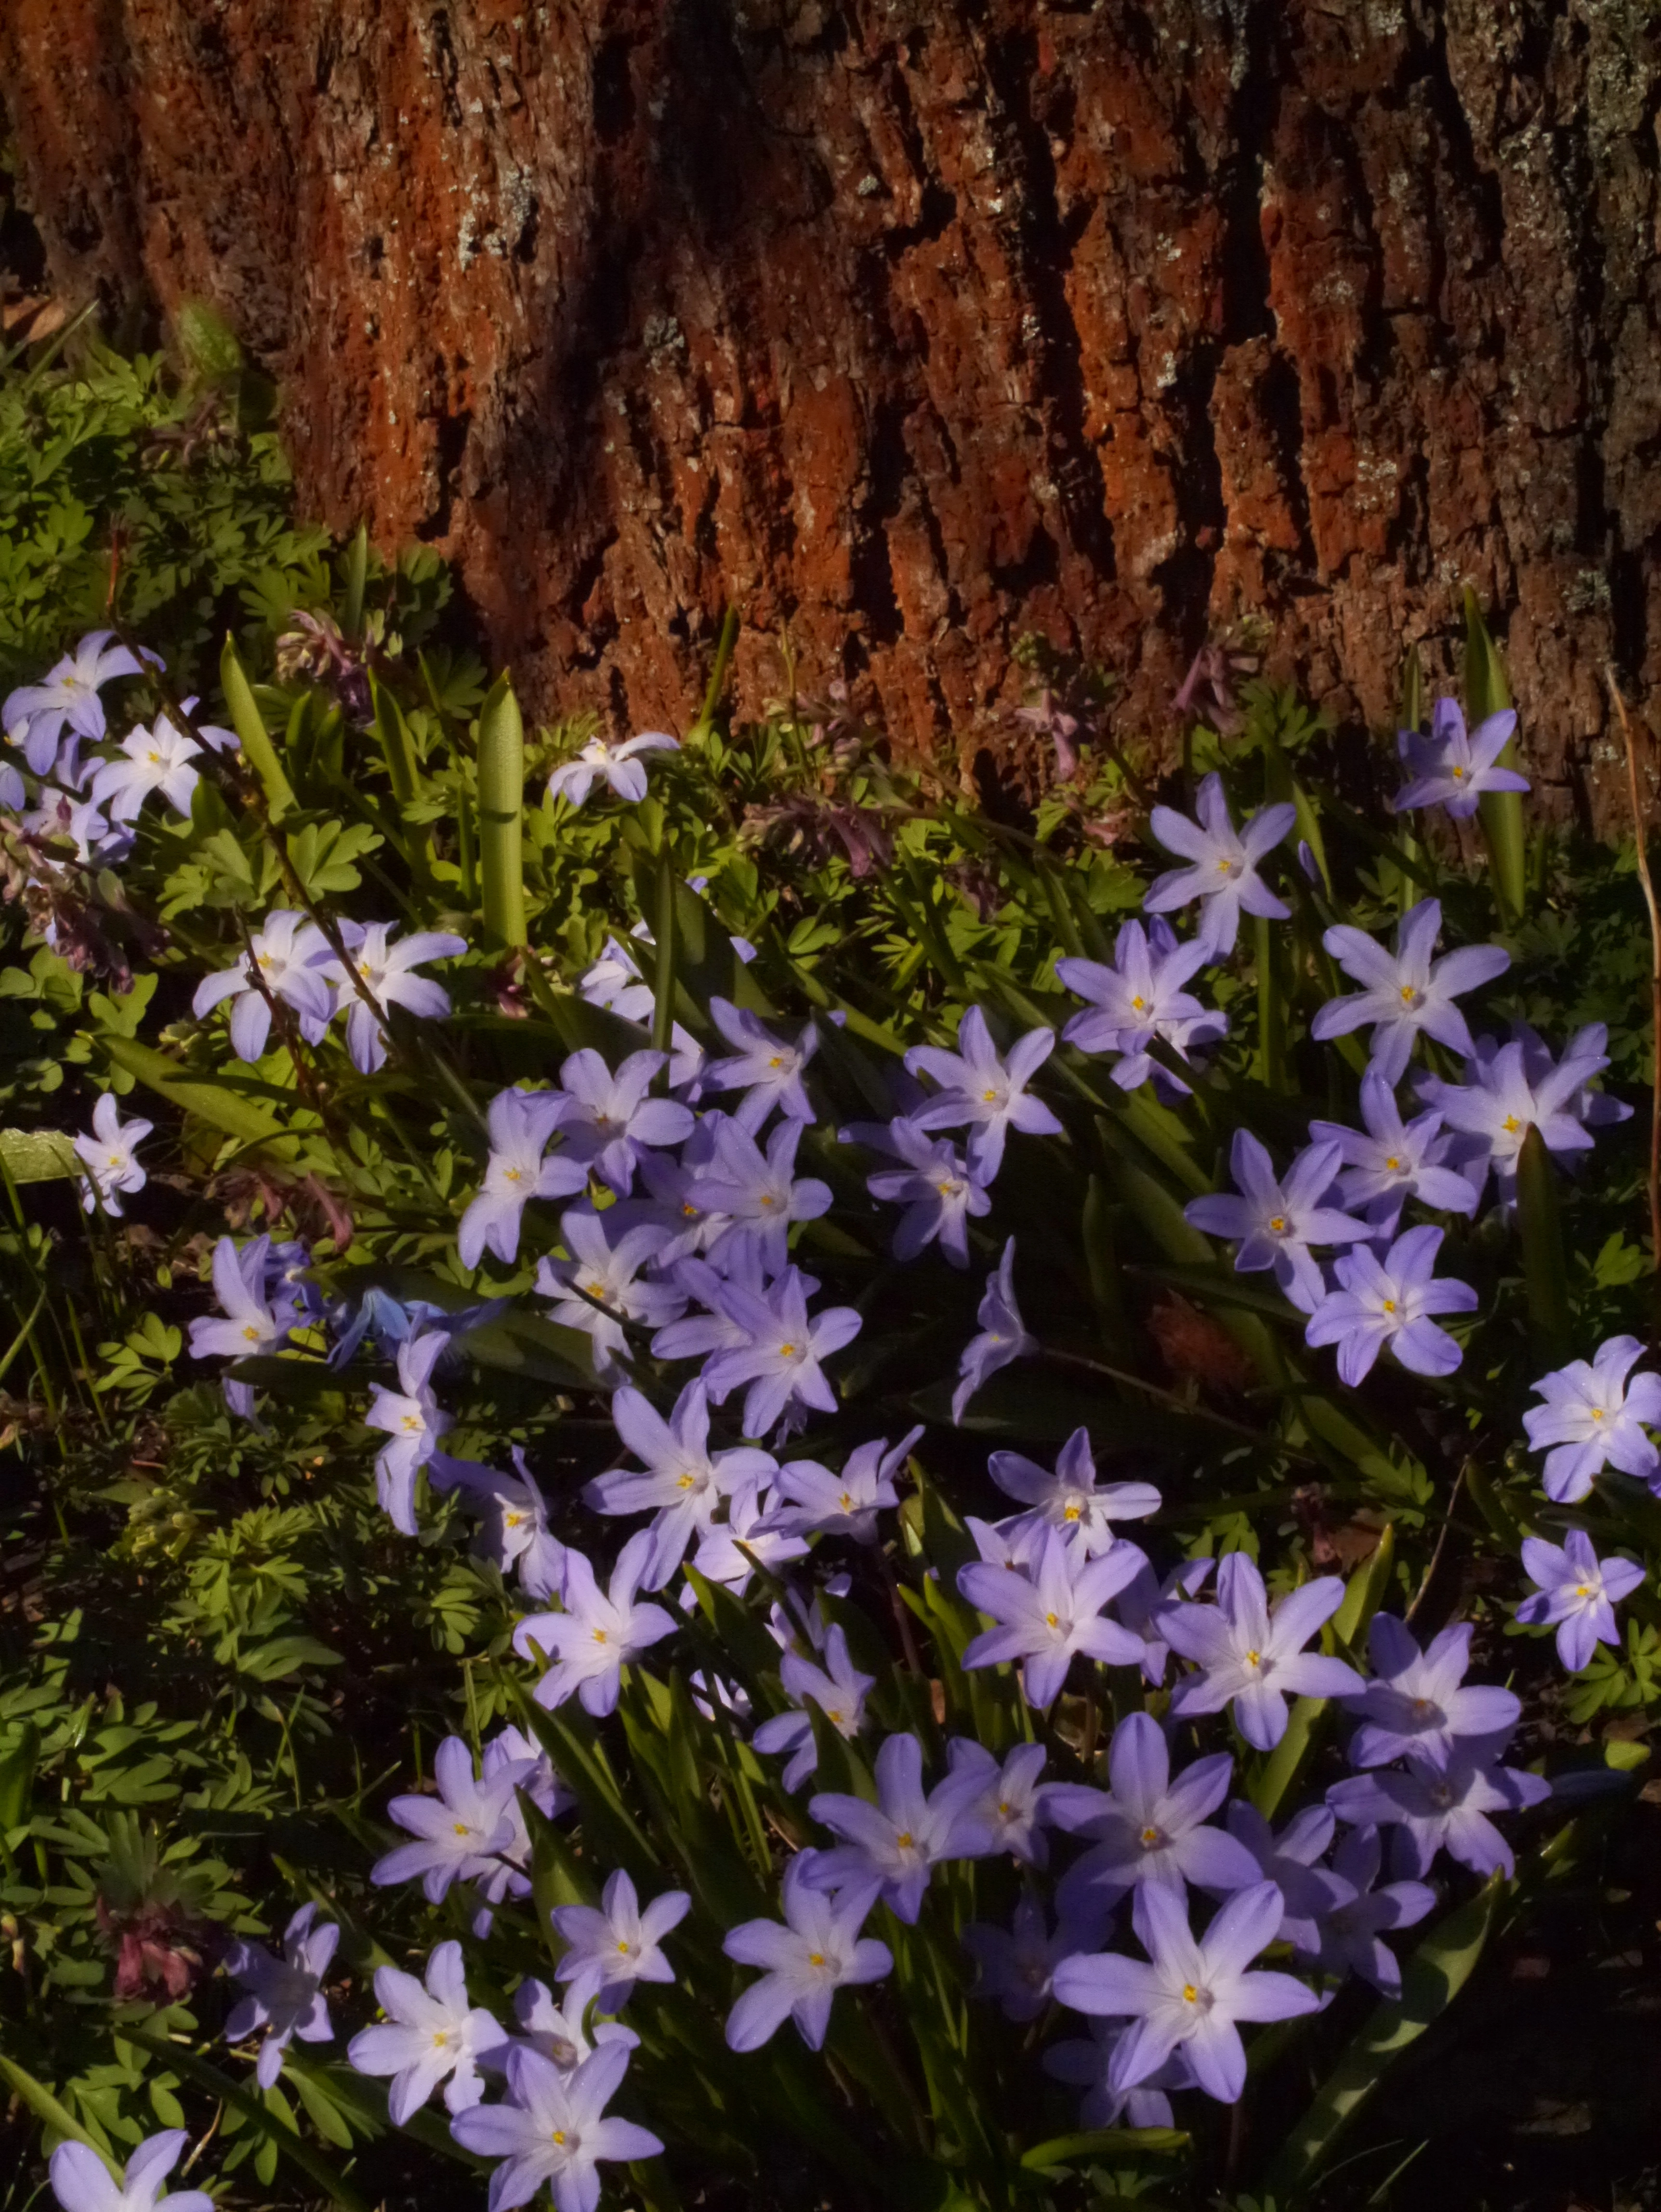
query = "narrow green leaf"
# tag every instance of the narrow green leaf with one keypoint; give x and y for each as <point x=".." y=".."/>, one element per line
<point x="1501" y="811"/>
<point x="728" y="639"/>
<point x="502" y="812"/>
<point x="1106" y="2143"/>
<point x="396" y="746"/>
<point x="220" y="1107"/>
<point x="663" y="950"/>
<point x="1433" y="1977"/>
<point x="1545" y="1266"/>
<point x="252" y="734"/>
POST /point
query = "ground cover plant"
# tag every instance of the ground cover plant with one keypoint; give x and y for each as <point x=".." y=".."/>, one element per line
<point x="725" y="1478"/>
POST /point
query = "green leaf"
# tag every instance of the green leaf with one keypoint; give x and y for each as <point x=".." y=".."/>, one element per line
<point x="220" y="1109"/>
<point x="1106" y="2143"/>
<point x="1276" y="1774"/>
<point x="502" y="812"/>
<point x="49" y="2111"/>
<point x="1501" y="811"/>
<point x="1433" y="1977"/>
<point x="251" y="733"/>
<point x="39" y="1155"/>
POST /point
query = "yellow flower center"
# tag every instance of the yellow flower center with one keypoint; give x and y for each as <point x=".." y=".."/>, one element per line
<point x="989" y="1097"/>
<point x="1389" y="1305"/>
<point x="1150" y="1836"/>
<point x="1190" y="1995"/>
<point x="251" y="1334"/>
<point x="904" y="1839"/>
<point x="1138" y="1003"/>
<point x="1071" y="1512"/>
<point x="1458" y="776"/>
<point x="846" y="1502"/>
<point x="1254" y="1658"/>
<point x="787" y="1352"/>
<point x="816" y="1958"/>
<point x="1512" y="1125"/>
<point x="1052" y="1621"/>
<point x="1278" y="1225"/>
<point x="1583" y="1589"/>
<point x="413" y="1424"/>
<point x="600" y="1635"/>
<point x="684" y="1482"/>
<point x="1597" y="1412"/>
<point x="1394" y="1164"/>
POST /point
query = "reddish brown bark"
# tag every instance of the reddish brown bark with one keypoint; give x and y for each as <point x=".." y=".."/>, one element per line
<point x="912" y="323"/>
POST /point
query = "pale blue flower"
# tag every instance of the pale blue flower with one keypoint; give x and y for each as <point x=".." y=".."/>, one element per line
<point x="818" y="1503"/>
<point x="1006" y="1814"/>
<point x="111" y="1156"/>
<point x="1145" y="1827"/>
<point x="1275" y="1224"/>
<point x="758" y="1196"/>
<point x="520" y="1124"/>
<point x="1222" y="870"/>
<point x="1252" y="1659"/>
<point x="432" y="2034"/>
<point x="598" y="1288"/>
<point x="1018" y="1963"/>
<point x="1449" y="769"/>
<point x="1089" y="2066"/>
<point x="1406" y="993"/>
<point x="621" y="765"/>
<point x="1576" y="1593"/>
<point x="285" y="1995"/>
<point x="818" y="1951"/>
<point x="1387" y="1301"/>
<point x="67" y="694"/>
<point x="608" y="1121"/>
<point x="1418" y="1704"/>
<point x="837" y="1688"/>
<point x="1191" y="1992"/>
<point x="766" y="1068"/>
<point x="256" y="1318"/>
<point x="1516" y="1086"/>
<point x="82" y="2183"/>
<point x="1393" y="1160"/>
<point x="1348" y="1937"/>
<point x="1139" y="998"/>
<point x="554" y="2129"/>
<point x="1070" y="1500"/>
<point x="938" y="1191"/>
<point x="781" y="1350"/>
<point x="1443" y="1808"/>
<point x="1003" y="1336"/>
<point x="463" y="1832"/>
<point x="292" y="957"/>
<point x="1051" y="1613"/>
<point x="988" y="1092"/>
<point x="387" y="969"/>
<point x="893" y="1845"/>
<point x="613" y="1945"/>
<point x="684" y="1482"/>
<point x="156" y="759"/>
<point x="413" y="1422"/>
<point x="597" y="1633"/>
<point x="1595" y="1417"/>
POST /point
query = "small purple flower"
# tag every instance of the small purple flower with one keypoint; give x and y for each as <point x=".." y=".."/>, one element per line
<point x="1451" y="770"/>
<point x="460" y="1833"/>
<point x="759" y="1196"/>
<point x="387" y="971"/>
<point x="1442" y="1808"/>
<point x="1347" y="1940"/>
<point x="1275" y="1224"/>
<point x="292" y="957"/>
<point x="683" y="1481"/>
<point x="554" y="2128"/>
<point x="1070" y="1500"/>
<point x="1192" y="1992"/>
<point x="1018" y="1964"/>
<point x="1517" y="1086"/>
<point x="597" y="1633"/>
<point x="890" y="1846"/>
<point x="1006" y="1814"/>
<point x="1250" y="1658"/>
<point x="613" y="1945"/>
<point x="516" y="1534"/>
<point x="937" y="1190"/>
<point x="1418" y="1704"/>
<point x="818" y="1503"/>
<point x="818" y="1951"/>
<point x="608" y="1121"/>
<point x="781" y="1352"/>
<point x="285" y="1995"/>
<point x="519" y="1123"/>
<point x="432" y="2034"/>
<point x="1576" y="1592"/>
<point x="68" y="694"/>
<point x="764" y="1068"/>
<point x="1393" y="1160"/>
<point x="110" y="1154"/>
<point x="1047" y="1617"/>
<point x="988" y="1093"/>
<point x="614" y="981"/>
<point x="1141" y="1606"/>
<point x="1222" y="870"/>
<point x="1594" y="1417"/>
<point x="730" y="1551"/>
<point x="837" y="1688"/>
<point x="598" y="1288"/>
<point x="80" y="2181"/>
<point x="1146" y="1827"/>
<point x="1388" y="1302"/>
<point x="413" y="1422"/>
<point x="157" y="759"/>
<point x="256" y="1318"/>
<point x="1140" y="998"/>
<point x="620" y="766"/>
<point x="1003" y="1336"/>
<point x="1405" y="993"/>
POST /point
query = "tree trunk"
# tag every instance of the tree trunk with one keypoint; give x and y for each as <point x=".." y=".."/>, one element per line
<point x="909" y="325"/>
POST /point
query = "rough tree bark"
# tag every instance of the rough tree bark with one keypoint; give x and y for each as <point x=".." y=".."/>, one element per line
<point x="912" y="323"/>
